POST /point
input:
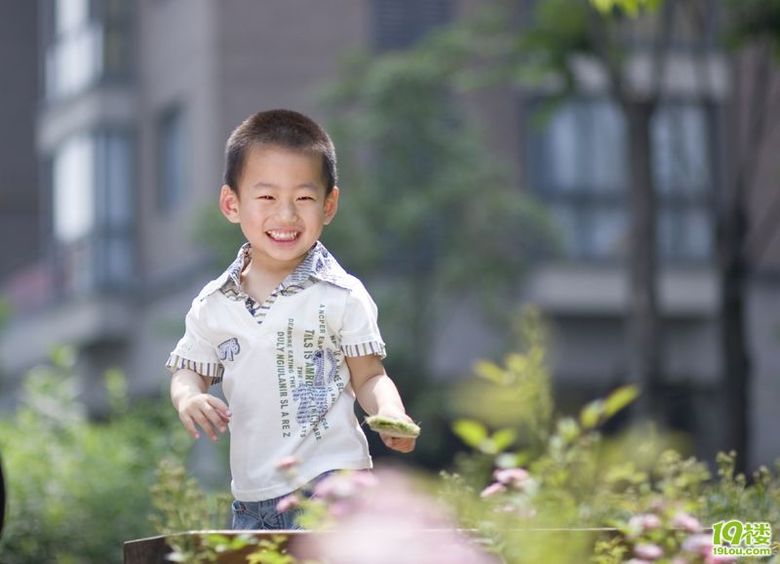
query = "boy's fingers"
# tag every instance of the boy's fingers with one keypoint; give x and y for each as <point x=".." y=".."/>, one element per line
<point x="399" y="443"/>
<point x="214" y="417"/>
<point x="205" y="424"/>
<point x="404" y="445"/>
<point x="220" y="406"/>
<point x="189" y="425"/>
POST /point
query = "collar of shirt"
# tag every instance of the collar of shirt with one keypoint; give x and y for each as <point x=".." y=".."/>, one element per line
<point x="317" y="265"/>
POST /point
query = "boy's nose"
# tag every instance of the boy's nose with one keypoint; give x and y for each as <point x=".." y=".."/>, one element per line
<point x="287" y="210"/>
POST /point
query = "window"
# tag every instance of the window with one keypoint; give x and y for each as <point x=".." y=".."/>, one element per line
<point x="172" y="158"/>
<point x="116" y="209"/>
<point x="682" y="176"/>
<point x="74" y="189"/>
<point x="579" y="163"/>
<point x="73" y="60"/>
<point x="93" y="211"/>
<point x="398" y="24"/>
<point x="85" y="41"/>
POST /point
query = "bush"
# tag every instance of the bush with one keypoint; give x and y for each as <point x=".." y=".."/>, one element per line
<point x="531" y="469"/>
<point x="76" y="488"/>
<point x="531" y="472"/>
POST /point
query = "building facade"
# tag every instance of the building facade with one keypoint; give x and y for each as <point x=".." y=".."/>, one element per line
<point x="136" y="99"/>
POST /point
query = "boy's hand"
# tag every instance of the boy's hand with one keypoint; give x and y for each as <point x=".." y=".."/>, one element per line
<point x="401" y="444"/>
<point x="206" y="411"/>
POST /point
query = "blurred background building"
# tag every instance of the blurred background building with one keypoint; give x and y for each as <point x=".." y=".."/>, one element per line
<point x="115" y="115"/>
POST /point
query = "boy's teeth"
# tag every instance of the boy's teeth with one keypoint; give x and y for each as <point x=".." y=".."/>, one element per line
<point x="283" y="235"/>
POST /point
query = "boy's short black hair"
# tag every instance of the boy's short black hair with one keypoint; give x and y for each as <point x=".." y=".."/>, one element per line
<point x="283" y="128"/>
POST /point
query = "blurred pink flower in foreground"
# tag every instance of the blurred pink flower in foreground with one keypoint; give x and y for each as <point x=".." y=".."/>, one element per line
<point x="648" y="551"/>
<point x="644" y="522"/>
<point x="288" y="502"/>
<point x="388" y="521"/>
<point x="515" y="477"/>
<point x="493" y="489"/>
<point x="686" y="522"/>
<point x="701" y="545"/>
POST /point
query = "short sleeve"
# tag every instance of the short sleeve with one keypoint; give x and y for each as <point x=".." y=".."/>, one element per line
<point x="360" y="334"/>
<point x="194" y="351"/>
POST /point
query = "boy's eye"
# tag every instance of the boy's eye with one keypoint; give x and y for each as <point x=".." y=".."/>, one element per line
<point x="265" y="197"/>
<point x="306" y="198"/>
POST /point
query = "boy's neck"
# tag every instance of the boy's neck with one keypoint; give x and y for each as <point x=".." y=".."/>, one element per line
<point x="259" y="280"/>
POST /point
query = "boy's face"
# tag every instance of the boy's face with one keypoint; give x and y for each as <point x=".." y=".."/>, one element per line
<point x="281" y="204"/>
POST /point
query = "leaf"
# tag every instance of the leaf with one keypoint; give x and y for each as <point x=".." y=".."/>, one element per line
<point x="619" y="399"/>
<point x="517" y="363"/>
<point x="490" y="371"/>
<point x="591" y="414"/>
<point x="568" y="430"/>
<point x="471" y="432"/>
<point x="508" y="460"/>
<point x="503" y="438"/>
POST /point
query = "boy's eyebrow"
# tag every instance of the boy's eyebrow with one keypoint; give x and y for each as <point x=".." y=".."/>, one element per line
<point x="307" y="185"/>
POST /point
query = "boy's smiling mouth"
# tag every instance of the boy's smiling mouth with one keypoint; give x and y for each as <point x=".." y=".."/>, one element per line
<point x="283" y="236"/>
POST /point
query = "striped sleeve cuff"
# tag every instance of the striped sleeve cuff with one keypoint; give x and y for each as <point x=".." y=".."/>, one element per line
<point x="210" y="370"/>
<point x="365" y="349"/>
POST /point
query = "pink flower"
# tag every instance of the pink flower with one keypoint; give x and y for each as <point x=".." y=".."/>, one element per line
<point x="698" y="544"/>
<point x="648" y="551"/>
<point x="686" y="522"/>
<point x="395" y="523"/>
<point x="644" y="522"/>
<point x="337" y="486"/>
<point x="364" y="479"/>
<point x="513" y="477"/>
<point x="493" y="489"/>
<point x="288" y="502"/>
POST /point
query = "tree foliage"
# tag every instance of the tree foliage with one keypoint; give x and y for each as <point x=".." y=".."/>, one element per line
<point x="425" y="205"/>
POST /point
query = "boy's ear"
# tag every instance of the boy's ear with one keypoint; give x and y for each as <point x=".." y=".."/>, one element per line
<point x="228" y="203"/>
<point x="331" y="205"/>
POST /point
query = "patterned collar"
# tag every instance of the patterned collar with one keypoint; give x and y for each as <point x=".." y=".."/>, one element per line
<point x="317" y="265"/>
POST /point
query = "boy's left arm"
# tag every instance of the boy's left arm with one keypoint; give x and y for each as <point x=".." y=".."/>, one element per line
<point x="378" y="395"/>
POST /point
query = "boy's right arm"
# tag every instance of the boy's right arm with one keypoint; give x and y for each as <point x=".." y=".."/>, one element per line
<point x="195" y="406"/>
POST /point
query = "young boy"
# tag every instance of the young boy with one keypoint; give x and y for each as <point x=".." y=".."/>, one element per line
<point x="292" y="337"/>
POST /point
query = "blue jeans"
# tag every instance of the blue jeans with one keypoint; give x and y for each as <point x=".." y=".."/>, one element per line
<point x="263" y="514"/>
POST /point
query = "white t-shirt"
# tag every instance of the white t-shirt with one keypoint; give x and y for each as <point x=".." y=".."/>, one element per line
<point x="283" y="370"/>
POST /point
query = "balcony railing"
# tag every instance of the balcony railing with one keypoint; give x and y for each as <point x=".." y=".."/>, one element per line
<point x="100" y="263"/>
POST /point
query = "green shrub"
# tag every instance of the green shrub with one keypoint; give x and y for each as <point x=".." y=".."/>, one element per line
<point x="76" y="488"/>
<point x="553" y="471"/>
<point x="530" y="473"/>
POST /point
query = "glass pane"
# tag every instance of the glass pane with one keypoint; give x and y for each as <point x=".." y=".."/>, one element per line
<point x="70" y="15"/>
<point x="73" y="189"/>
<point x="585" y="148"/>
<point x="608" y="232"/>
<point x="172" y="159"/>
<point x="685" y="233"/>
<point x="398" y="24"/>
<point x="569" y="225"/>
<point x="118" y="261"/>
<point x="74" y="62"/>
<point x="680" y="144"/>
<point x="562" y="150"/>
<point x="605" y="150"/>
<point x="698" y="234"/>
<point x="668" y="235"/>
<point x="118" y="180"/>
